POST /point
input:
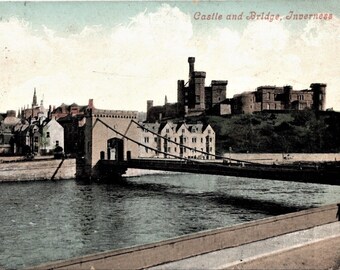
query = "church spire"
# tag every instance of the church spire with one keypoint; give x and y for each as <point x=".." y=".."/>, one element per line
<point x="34" y="103"/>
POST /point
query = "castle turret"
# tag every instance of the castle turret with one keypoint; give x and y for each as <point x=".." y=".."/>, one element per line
<point x="287" y="91"/>
<point x="319" y="96"/>
<point x="191" y="61"/>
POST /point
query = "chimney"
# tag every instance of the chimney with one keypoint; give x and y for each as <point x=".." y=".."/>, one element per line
<point x="49" y="112"/>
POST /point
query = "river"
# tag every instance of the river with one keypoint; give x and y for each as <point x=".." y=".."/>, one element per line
<point x="47" y="221"/>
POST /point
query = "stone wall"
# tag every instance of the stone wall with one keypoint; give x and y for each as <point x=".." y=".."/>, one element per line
<point x="145" y="256"/>
<point x="37" y="170"/>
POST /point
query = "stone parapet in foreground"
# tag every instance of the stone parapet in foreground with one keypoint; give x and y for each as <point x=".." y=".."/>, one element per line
<point x="179" y="248"/>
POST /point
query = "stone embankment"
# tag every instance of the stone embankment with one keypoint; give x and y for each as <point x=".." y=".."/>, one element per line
<point x="15" y="169"/>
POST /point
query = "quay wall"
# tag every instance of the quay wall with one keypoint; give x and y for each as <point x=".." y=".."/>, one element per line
<point x="37" y="170"/>
<point x="270" y="158"/>
<point x="141" y="257"/>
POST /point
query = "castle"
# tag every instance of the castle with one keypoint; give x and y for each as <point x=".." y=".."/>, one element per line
<point x="194" y="98"/>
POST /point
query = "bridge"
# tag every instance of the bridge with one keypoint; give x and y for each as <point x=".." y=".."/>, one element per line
<point x="109" y="160"/>
<point x="327" y="174"/>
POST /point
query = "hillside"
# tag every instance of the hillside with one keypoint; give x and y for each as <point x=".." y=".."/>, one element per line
<point x="298" y="131"/>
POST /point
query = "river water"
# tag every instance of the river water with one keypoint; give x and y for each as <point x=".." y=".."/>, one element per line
<point x="47" y="221"/>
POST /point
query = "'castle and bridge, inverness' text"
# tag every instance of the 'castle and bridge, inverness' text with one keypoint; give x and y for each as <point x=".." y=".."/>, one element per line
<point x="267" y="16"/>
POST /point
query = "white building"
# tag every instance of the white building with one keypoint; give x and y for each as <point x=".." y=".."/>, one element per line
<point x="52" y="135"/>
<point x="180" y="140"/>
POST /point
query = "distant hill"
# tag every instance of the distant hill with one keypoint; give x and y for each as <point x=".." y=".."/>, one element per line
<point x="297" y="131"/>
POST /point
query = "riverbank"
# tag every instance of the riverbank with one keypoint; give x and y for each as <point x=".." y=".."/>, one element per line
<point x="270" y="158"/>
<point x="47" y="168"/>
<point x="15" y="170"/>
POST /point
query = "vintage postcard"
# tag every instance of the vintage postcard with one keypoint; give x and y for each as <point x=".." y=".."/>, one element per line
<point x="141" y="134"/>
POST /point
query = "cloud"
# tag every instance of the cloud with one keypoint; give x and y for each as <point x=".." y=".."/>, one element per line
<point x="122" y="67"/>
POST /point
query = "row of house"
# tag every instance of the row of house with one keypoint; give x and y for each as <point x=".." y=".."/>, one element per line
<point x="40" y="131"/>
<point x="168" y="140"/>
<point x="39" y="135"/>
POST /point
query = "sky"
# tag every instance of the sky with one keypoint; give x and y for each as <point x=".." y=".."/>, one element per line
<point x="122" y="54"/>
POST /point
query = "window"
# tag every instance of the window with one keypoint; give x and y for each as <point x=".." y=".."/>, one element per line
<point x="210" y="139"/>
<point x="184" y="140"/>
<point x="35" y="139"/>
<point x="175" y="149"/>
<point x="146" y="139"/>
<point x="146" y="150"/>
<point x="182" y="130"/>
<point x="201" y="140"/>
<point x="169" y="149"/>
<point x="194" y="139"/>
<point x="175" y="139"/>
<point x="155" y="139"/>
<point x="167" y="130"/>
<point x="210" y="149"/>
<point x="209" y="131"/>
<point x="57" y="143"/>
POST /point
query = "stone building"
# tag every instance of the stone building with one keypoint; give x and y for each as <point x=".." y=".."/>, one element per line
<point x="71" y="110"/>
<point x="7" y="124"/>
<point x="42" y="135"/>
<point x="280" y="98"/>
<point x="51" y="136"/>
<point x="100" y="139"/>
<point x="174" y="140"/>
<point x="72" y="119"/>
<point x="194" y="98"/>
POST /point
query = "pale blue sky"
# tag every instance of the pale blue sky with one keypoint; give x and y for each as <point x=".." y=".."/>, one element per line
<point x="73" y="16"/>
<point x="122" y="53"/>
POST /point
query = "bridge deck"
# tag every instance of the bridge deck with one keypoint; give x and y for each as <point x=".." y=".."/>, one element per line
<point x="321" y="173"/>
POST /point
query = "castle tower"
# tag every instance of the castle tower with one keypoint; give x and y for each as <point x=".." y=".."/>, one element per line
<point x="319" y="96"/>
<point x="191" y="61"/>
<point x="34" y="103"/>
<point x="149" y="104"/>
<point x="180" y="96"/>
<point x="165" y="100"/>
<point x="287" y="92"/>
<point x="199" y="90"/>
